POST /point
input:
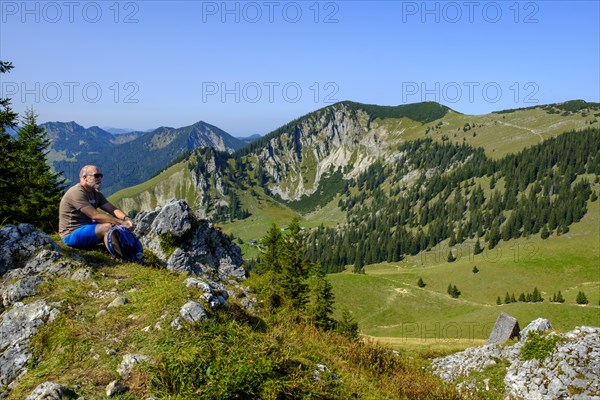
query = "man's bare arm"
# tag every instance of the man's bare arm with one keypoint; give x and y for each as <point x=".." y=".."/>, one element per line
<point x="111" y="209"/>
<point x="102" y="218"/>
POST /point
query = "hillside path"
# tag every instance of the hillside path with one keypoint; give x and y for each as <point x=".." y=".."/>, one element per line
<point x="524" y="128"/>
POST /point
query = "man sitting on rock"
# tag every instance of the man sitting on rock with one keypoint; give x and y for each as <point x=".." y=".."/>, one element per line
<point x="80" y="224"/>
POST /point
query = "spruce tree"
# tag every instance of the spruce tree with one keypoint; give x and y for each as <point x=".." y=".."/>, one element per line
<point x="477" y="248"/>
<point x="270" y="250"/>
<point x="40" y="196"/>
<point x="455" y="292"/>
<point x="294" y="268"/>
<point x="10" y="182"/>
<point x="347" y="326"/>
<point x="537" y="296"/>
<point x="475" y="269"/>
<point x="322" y="299"/>
<point x="581" y="298"/>
<point x="359" y="261"/>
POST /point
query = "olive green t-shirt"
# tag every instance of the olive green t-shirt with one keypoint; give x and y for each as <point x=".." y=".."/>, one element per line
<point x="70" y="216"/>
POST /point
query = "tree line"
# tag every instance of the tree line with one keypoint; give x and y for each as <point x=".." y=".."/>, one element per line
<point x="544" y="192"/>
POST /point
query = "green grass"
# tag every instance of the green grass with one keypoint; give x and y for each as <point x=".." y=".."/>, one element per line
<point x="387" y="302"/>
<point x="497" y="134"/>
<point x="234" y="355"/>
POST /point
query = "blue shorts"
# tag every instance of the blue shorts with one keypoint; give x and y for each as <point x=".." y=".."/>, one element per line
<point x="82" y="237"/>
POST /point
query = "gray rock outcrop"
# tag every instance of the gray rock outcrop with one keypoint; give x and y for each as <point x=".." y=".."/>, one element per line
<point x="570" y="371"/>
<point x="537" y="325"/>
<point x="193" y="312"/>
<point x="130" y="361"/>
<point x="19" y="242"/>
<point x="17" y="326"/>
<point x="188" y="245"/>
<point x="27" y="258"/>
<point x="51" y="391"/>
<point x="22" y="288"/>
<point x="505" y="328"/>
<point x="114" y="388"/>
<point x="213" y="293"/>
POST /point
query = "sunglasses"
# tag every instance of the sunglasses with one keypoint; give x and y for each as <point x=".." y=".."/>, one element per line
<point x="96" y="175"/>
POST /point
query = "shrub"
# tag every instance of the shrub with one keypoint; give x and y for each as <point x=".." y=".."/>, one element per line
<point x="453" y="291"/>
<point x="539" y="346"/>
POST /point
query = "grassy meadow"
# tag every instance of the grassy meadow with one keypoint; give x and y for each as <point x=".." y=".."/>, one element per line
<point x="388" y="304"/>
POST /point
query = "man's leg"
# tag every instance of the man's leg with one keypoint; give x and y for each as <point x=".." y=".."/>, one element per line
<point x="102" y="235"/>
<point x="82" y="237"/>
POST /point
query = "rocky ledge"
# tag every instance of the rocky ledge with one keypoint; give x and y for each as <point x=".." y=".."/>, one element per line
<point x="571" y="370"/>
<point x="29" y="257"/>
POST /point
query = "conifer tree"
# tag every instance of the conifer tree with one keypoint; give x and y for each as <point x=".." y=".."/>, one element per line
<point x="421" y="283"/>
<point x="453" y="291"/>
<point x="42" y="190"/>
<point x="477" y="248"/>
<point x="359" y="261"/>
<point x="581" y="298"/>
<point x="537" y="296"/>
<point x="347" y="326"/>
<point x="475" y="269"/>
<point x="9" y="160"/>
<point x="294" y="268"/>
<point x="321" y="307"/>
<point x="270" y="249"/>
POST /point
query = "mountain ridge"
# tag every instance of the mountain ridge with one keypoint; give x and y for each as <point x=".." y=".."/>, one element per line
<point x="146" y="153"/>
<point x="292" y="162"/>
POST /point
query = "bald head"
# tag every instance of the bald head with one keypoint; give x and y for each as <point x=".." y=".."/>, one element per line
<point x="87" y="170"/>
<point x="90" y="177"/>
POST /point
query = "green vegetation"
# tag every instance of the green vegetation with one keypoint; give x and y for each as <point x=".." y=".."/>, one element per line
<point x="541" y="190"/>
<point x="424" y="112"/>
<point x="329" y="186"/>
<point x="269" y="354"/>
<point x="539" y="346"/>
<point x="570" y="106"/>
<point x="31" y="192"/>
<point x="581" y="298"/>
<point x="453" y="291"/>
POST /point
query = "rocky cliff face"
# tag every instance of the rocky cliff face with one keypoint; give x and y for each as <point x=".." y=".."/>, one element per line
<point x="333" y="139"/>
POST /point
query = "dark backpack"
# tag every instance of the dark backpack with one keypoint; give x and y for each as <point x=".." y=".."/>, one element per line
<point x="131" y="248"/>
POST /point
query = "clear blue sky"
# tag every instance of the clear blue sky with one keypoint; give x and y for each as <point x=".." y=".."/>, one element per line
<point x="250" y="67"/>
